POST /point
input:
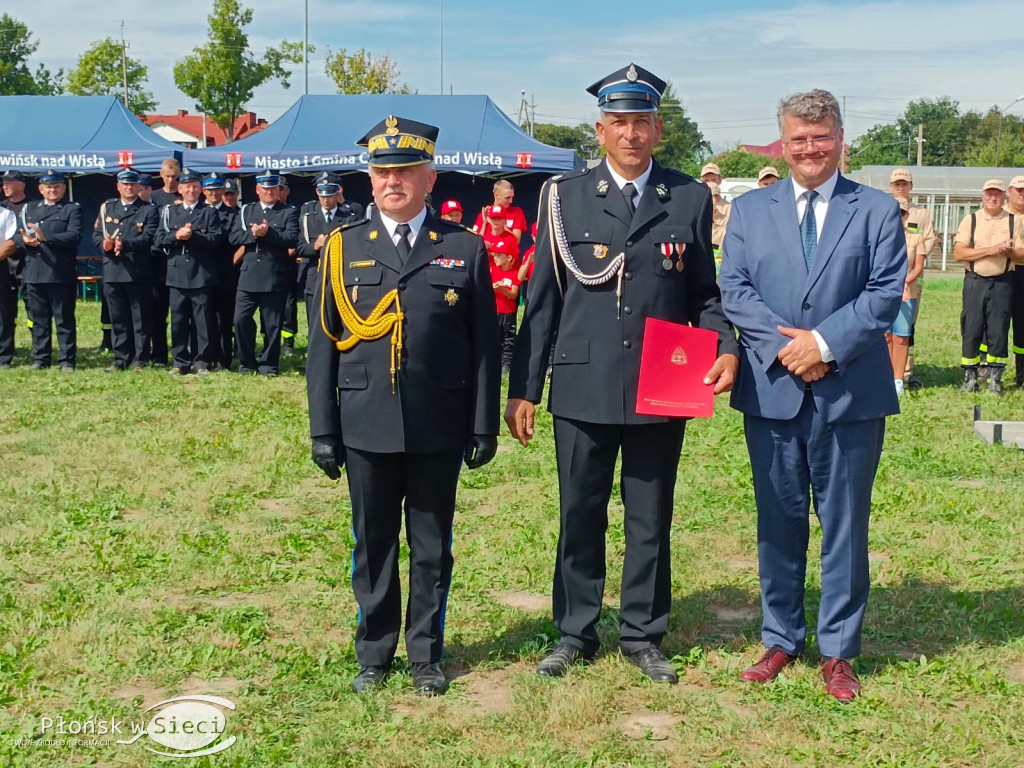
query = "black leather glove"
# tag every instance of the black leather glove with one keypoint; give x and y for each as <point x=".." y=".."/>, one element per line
<point x="480" y="449"/>
<point x="327" y="456"/>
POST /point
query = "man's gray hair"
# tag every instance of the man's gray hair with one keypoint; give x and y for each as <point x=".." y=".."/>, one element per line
<point x="814" y="107"/>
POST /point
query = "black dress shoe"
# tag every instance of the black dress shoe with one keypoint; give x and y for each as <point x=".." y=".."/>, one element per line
<point x="654" y="665"/>
<point x="39" y="366"/>
<point x="427" y="679"/>
<point x="557" y="663"/>
<point x="369" y="678"/>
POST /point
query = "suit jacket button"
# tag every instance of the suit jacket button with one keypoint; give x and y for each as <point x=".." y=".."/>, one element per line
<point x="629" y="243"/>
<point x="628" y="310"/>
<point x="348" y="380"/>
<point x="628" y="275"/>
<point x="563" y="355"/>
<point x="806" y="305"/>
<point x="627" y="344"/>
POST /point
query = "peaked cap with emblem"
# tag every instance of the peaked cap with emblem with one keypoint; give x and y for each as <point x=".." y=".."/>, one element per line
<point x="128" y="176"/>
<point x="52" y="177"/>
<point x="328" y="184"/>
<point x="630" y="89"/>
<point x="396" y="141"/>
<point x="214" y="181"/>
<point x="268" y="180"/>
<point x="189" y="175"/>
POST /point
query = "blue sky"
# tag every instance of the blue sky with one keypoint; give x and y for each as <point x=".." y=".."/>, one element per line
<point x="730" y="61"/>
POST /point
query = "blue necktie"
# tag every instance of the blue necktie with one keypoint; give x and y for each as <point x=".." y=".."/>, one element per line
<point x="809" y="229"/>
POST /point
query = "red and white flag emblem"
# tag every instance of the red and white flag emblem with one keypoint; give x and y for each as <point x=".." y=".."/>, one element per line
<point x="125" y="158"/>
<point x="233" y="160"/>
<point x="524" y="159"/>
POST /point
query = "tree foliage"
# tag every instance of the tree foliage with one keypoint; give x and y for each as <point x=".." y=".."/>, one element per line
<point x="16" y="46"/>
<point x="739" y="163"/>
<point x="582" y="138"/>
<point x="100" y="72"/>
<point x="222" y="74"/>
<point x="362" y="72"/>
<point x="682" y="145"/>
<point x="950" y="137"/>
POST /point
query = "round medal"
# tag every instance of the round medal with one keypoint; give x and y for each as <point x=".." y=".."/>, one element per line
<point x="679" y="266"/>
<point x="667" y="264"/>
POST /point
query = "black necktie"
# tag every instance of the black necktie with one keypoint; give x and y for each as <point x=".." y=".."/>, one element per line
<point x="403" y="230"/>
<point x="628" y="192"/>
<point x="328" y="215"/>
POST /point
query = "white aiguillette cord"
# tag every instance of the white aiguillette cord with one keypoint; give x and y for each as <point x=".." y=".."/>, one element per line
<point x="560" y="245"/>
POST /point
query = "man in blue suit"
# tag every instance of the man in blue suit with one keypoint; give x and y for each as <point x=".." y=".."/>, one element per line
<point x="812" y="277"/>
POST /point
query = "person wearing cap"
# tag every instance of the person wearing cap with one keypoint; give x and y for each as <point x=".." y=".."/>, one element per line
<point x="145" y="186"/>
<point x="124" y="232"/>
<point x="267" y="231"/>
<point x="317" y="220"/>
<point x="190" y="235"/>
<point x="637" y="242"/>
<point x="497" y="226"/>
<point x="1015" y="206"/>
<point x="767" y="176"/>
<point x="919" y="220"/>
<point x="719" y="221"/>
<point x="451" y="210"/>
<point x="8" y="295"/>
<point x="504" y="253"/>
<point x="15" y="199"/>
<point x="813" y="275"/>
<point x="231" y="192"/>
<point x="214" y="187"/>
<point x="711" y="174"/>
<point x="898" y="337"/>
<point x="515" y="218"/>
<point x="51" y="230"/>
<point x="989" y="245"/>
<point x="403" y="383"/>
<point x="170" y="170"/>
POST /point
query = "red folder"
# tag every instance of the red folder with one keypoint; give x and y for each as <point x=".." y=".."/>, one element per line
<point x="673" y="363"/>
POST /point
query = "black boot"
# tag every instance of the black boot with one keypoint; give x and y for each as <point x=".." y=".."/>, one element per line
<point x="1020" y="370"/>
<point x="970" y="378"/>
<point x="995" y="380"/>
<point x="105" y="345"/>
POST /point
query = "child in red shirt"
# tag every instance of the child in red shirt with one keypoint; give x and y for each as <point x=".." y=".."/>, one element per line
<point x="503" y="252"/>
<point x="526" y="269"/>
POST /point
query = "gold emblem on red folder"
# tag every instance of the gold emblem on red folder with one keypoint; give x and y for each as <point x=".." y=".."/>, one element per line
<point x="678" y="356"/>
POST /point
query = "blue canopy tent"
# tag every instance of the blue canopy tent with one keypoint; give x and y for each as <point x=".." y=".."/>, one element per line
<point x="318" y="133"/>
<point x="77" y="134"/>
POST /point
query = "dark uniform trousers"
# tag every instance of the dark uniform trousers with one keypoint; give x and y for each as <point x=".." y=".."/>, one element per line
<point x="596" y="332"/>
<point x="160" y="307"/>
<point x="985" y="317"/>
<point x="378" y="483"/>
<point x="267" y="276"/>
<point x="191" y="277"/>
<point x="404" y="434"/>
<point x="129" y="305"/>
<point x="49" y="280"/>
<point x="1017" y="313"/>
<point x="52" y="303"/>
<point x="8" y="313"/>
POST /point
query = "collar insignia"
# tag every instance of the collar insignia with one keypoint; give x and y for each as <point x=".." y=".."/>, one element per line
<point x="662" y="190"/>
<point x="373" y="235"/>
<point x="434" y="237"/>
<point x="602" y="187"/>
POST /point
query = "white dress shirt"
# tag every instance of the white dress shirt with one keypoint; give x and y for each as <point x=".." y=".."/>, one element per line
<point x="8" y="226"/>
<point x="639" y="182"/>
<point x="825" y="192"/>
<point x="415" y="224"/>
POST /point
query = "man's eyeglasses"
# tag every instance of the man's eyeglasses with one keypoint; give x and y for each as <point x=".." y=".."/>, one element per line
<point x="805" y="145"/>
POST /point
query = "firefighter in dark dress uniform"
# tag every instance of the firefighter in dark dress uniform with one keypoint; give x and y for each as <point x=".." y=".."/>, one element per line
<point x="214" y="187"/>
<point x="631" y="240"/>
<point x="403" y="384"/>
<point x="267" y="230"/>
<point x="15" y="200"/>
<point x="124" y="231"/>
<point x="49" y="234"/>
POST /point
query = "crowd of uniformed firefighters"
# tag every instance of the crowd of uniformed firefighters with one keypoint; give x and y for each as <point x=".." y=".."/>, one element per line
<point x="190" y="254"/>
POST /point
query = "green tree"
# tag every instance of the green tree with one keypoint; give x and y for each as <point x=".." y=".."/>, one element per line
<point x="582" y="138"/>
<point x="944" y="130"/>
<point x="100" y="72"/>
<point x="16" y="46"/>
<point x="362" y="72"/>
<point x="682" y="145"/>
<point x="739" y="163"/>
<point x="222" y="74"/>
<point x="883" y="145"/>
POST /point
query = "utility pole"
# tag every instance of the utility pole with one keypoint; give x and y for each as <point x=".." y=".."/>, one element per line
<point x="524" y="111"/>
<point x="440" y="37"/>
<point x="533" y="115"/>
<point x="920" y="143"/>
<point x="124" y="63"/>
<point x="305" y="48"/>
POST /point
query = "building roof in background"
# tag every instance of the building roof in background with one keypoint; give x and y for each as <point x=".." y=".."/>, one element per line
<point x="182" y="123"/>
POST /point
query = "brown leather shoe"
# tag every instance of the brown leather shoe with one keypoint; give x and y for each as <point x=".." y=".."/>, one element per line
<point x="768" y="667"/>
<point x="840" y="679"/>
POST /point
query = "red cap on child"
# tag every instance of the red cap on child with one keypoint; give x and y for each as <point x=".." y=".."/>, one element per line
<point x="496" y="212"/>
<point x="506" y="245"/>
<point x="450" y="205"/>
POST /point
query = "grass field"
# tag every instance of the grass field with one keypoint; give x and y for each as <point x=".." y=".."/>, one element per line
<point x="163" y="536"/>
